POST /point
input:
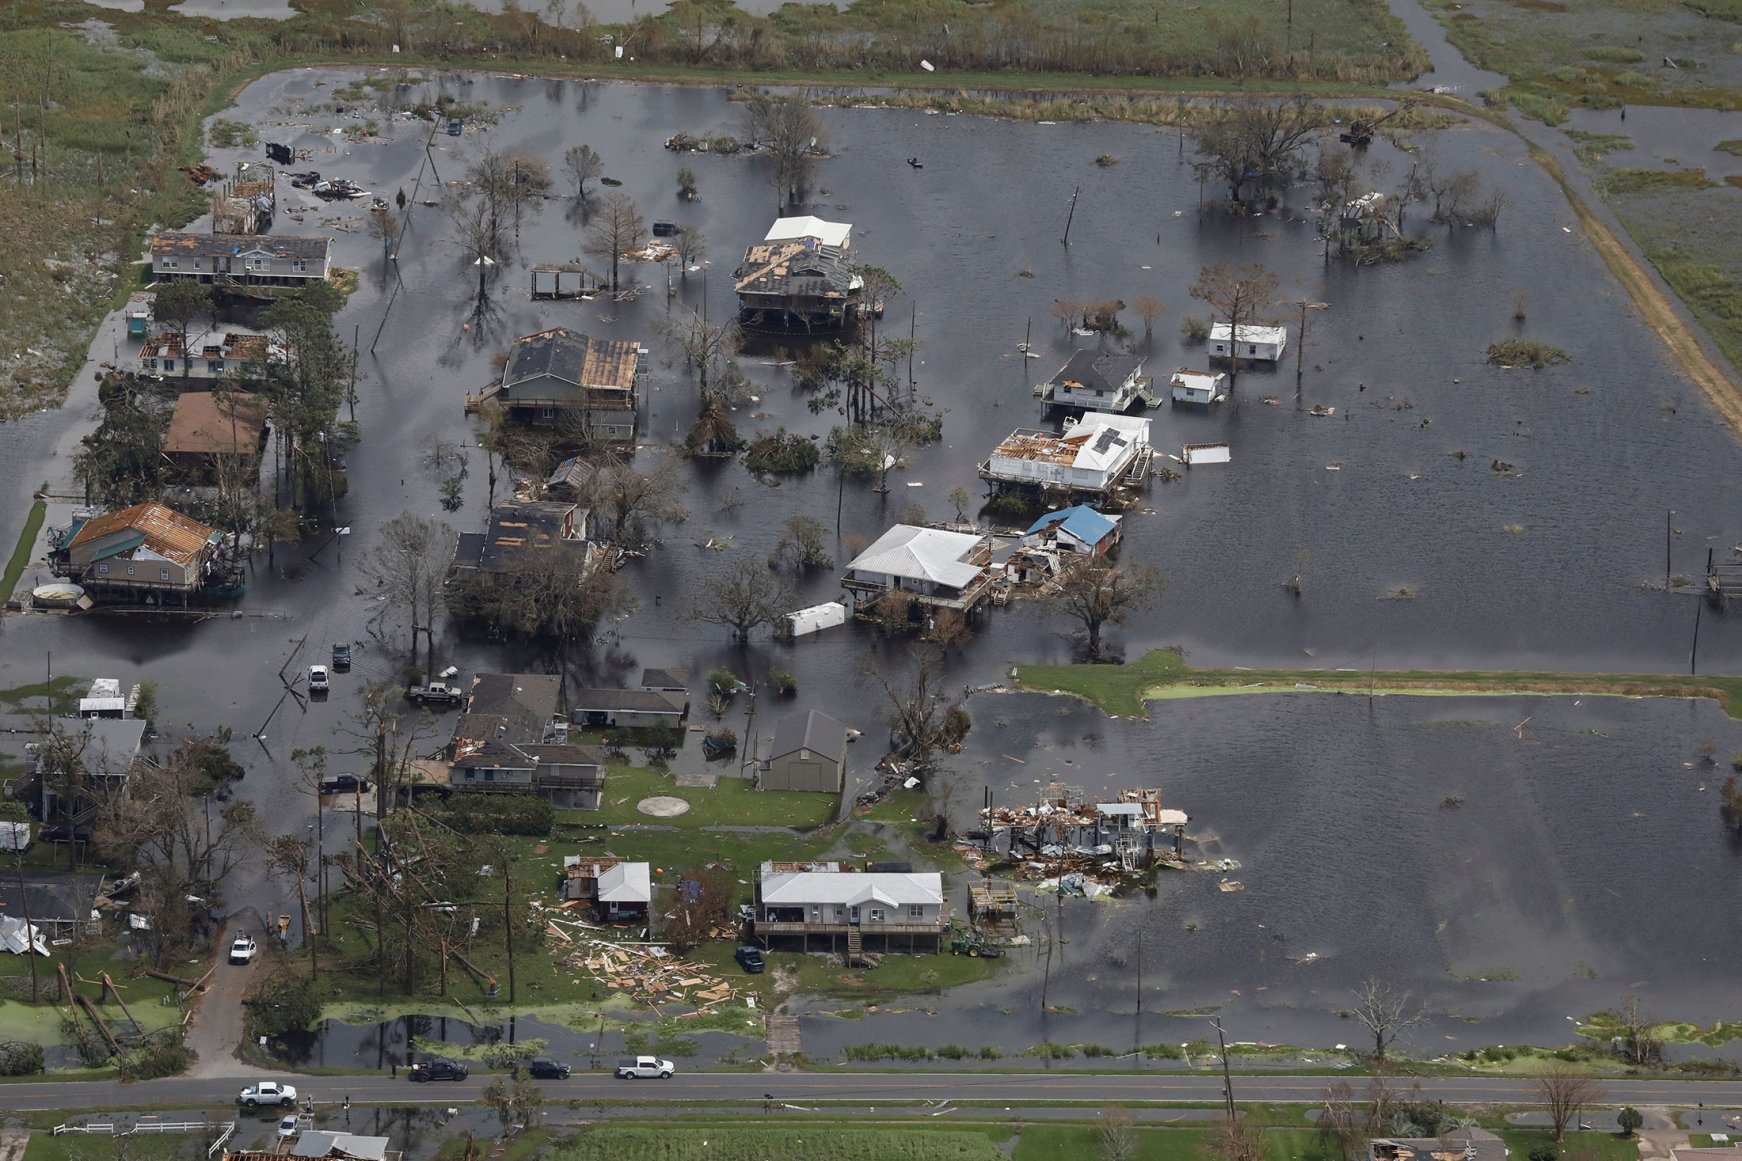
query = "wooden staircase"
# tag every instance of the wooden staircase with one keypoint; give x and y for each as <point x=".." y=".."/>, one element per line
<point x="855" y="947"/>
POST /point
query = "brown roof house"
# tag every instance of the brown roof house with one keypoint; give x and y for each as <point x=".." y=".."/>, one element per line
<point x="561" y="376"/>
<point x="148" y="550"/>
<point x="207" y="427"/>
<point x="799" y="285"/>
<point x="809" y="753"/>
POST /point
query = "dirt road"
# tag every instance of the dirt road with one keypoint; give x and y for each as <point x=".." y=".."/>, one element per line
<point x="219" y="1019"/>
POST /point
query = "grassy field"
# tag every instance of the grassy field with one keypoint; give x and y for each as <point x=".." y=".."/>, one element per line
<point x="802" y="1142"/>
<point x="732" y="802"/>
<point x="145" y="1147"/>
<point x="1595" y="1146"/>
<point x="1163" y="673"/>
<point x="21" y="552"/>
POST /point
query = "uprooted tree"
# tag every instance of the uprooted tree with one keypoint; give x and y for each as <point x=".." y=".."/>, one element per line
<point x="922" y="716"/>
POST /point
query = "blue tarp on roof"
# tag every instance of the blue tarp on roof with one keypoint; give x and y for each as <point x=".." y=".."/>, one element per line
<point x="1081" y="521"/>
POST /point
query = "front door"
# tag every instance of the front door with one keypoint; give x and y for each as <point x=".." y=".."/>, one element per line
<point x="853" y="916"/>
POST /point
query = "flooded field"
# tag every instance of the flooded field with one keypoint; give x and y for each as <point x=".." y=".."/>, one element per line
<point x="1575" y="844"/>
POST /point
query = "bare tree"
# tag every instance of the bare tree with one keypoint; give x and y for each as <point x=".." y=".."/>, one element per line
<point x="793" y="135"/>
<point x="706" y="347"/>
<point x="1239" y="297"/>
<point x="287" y="857"/>
<point x="1116" y="1135"/>
<point x="1234" y="1139"/>
<point x="174" y="307"/>
<point x="615" y="230"/>
<point x="1341" y="1124"/>
<point x="743" y="598"/>
<point x="1640" y="1043"/>
<point x="1148" y="309"/>
<point x="1258" y="144"/>
<point x="627" y="500"/>
<point x="581" y="165"/>
<point x="474" y="228"/>
<point x="688" y="189"/>
<point x="409" y="565"/>
<point x="1565" y="1089"/>
<point x="516" y="1097"/>
<point x="691" y="246"/>
<point x="922" y="718"/>
<point x="1386" y="1011"/>
<point x="1096" y="592"/>
<point x="802" y="546"/>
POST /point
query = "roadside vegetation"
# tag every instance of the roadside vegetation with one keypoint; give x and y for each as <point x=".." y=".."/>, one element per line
<point x="1164" y="673"/>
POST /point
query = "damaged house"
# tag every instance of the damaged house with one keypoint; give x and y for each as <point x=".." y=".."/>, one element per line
<point x="797" y="285"/>
<point x="149" y="552"/>
<point x="619" y="891"/>
<point x="511" y="740"/>
<point x="241" y="260"/>
<point x="1102" y="457"/>
<point x="930" y="567"/>
<point x="562" y="377"/>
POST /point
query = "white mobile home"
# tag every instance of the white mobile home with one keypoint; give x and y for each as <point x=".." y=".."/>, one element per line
<point x="1252" y="345"/>
<point x="1093" y="456"/>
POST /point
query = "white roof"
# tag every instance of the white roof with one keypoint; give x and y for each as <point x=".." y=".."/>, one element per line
<point x="626" y="883"/>
<point x="1198" y="380"/>
<point x="921" y="554"/>
<point x="1249" y="333"/>
<point x="322" y="1143"/>
<point x="1108" y="445"/>
<point x="827" y="233"/>
<point x="851" y="888"/>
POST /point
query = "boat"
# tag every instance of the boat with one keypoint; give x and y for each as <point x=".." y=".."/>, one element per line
<point x="305" y="180"/>
<point x="339" y="190"/>
<point x="58" y="595"/>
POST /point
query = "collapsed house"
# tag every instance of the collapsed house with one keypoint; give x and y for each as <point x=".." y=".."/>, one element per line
<point x="1132" y="832"/>
<point x="797" y="285"/>
<point x="618" y="891"/>
<point x="559" y="376"/>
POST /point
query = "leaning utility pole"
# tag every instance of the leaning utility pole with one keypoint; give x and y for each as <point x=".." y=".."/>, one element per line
<point x="1227" y="1077"/>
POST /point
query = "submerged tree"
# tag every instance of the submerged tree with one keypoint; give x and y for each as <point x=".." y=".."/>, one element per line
<point x="1255" y="147"/>
<point x="743" y="598"/>
<point x="409" y="564"/>
<point x="1240" y="297"/>
<point x="581" y="165"/>
<point x="792" y="134"/>
<point x="1096" y="592"/>
<point x="616" y="230"/>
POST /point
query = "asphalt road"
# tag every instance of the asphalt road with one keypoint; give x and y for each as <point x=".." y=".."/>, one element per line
<point x="858" y="1088"/>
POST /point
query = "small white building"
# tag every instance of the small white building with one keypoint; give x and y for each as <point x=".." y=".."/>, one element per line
<point x="1253" y="345"/>
<point x="813" y="229"/>
<point x="1199" y="387"/>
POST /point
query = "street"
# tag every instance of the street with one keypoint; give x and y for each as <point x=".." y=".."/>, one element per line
<point x="857" y="1088"/>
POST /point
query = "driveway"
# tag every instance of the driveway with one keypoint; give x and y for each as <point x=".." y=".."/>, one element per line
<point x="219" y="1018"/>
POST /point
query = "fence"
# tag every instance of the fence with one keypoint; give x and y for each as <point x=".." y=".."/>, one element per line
<point x="110" y="1129"/>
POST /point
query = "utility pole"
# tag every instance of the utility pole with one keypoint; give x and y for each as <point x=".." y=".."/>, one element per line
<point x="1070" y="217"/>
<point x="1300" y="348"/>
<point x="508" y="921"/>
<point x="1668" y="531"/>
<point x="1227" y="1076"/>
<point x="1137" y="1020"/>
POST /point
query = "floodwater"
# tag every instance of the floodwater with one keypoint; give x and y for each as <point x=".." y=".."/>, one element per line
<point x="1667" y="138"/>
<point x="1334" y="809"/>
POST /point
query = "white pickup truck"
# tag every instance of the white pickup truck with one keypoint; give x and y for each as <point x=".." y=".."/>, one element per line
<point x="644" y="1068"/>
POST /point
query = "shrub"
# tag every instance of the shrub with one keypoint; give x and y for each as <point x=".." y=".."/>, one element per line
<point x="160" y="1054"/>
<point x="522" y="814"/>
<point x="783" y="681"/>
<point x="1194" y="330"/>
<point x="724" y="681"/>
<point x="781" y="452"/>
<point x="18" y="1058"/>
<point x="1525" y="353"/>
<point x="1613" y="54"/>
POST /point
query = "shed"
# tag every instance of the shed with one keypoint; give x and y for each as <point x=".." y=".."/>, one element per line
<point x="1199" y="387"/>
<point x="630" y="708"/>
<point x="809" y="753"/>
<point x="797" y="229"/>
<point x="1254" y="344"/>
<point x="1077" y="529"/>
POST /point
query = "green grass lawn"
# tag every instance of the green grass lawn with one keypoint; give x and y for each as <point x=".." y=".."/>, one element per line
<point x="144" y="1147"/>
<point x="1163" y="673"/>
<point x="21" y="553"/>
<point x="732" y="802"/>
<point x="1595" y="1146"/>
<point x="803" y="1141"/>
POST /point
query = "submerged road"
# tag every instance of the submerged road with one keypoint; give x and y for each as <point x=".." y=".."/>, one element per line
<point x="857" y="1088"/>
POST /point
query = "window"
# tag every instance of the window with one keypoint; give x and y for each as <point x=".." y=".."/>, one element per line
<point x="103" y="569"/>
<point x="170" y="263"/>
<point x="215" y="366"/>
<point x="877" y="915"/>
<point x="196" y="263"/>
<point x="169" y="364"/>
<point x="150" y="364"/>
<point x="547" y="413"/>
<point x="1251" y="348"/>
<point x="915" y="911"/>
<point x="129" y="570"/>
<point x="163" y="574"/>
<point x="489" y="775"/>
<point x="300" y="265"/>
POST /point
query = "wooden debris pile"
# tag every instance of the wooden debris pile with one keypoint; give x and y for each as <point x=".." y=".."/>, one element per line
<point x="649" y="974"/>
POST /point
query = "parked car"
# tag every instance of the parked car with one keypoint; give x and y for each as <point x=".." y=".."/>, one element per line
<point x="644" y="1068"/>
<point x="242" y="949"/>
<point x="341" y="658"/>
<point x="346" y="784"/>
<point x="544" y="1068"/>
<point x="267" y="1092"/>
<point x="439" y="1070"/>
<point x="288" y="1127"/>
<point x="435" y="693"/>
<point x="750" y="959"/>
<point x="317" y="679"/>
